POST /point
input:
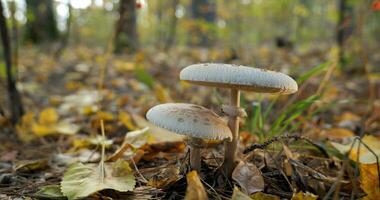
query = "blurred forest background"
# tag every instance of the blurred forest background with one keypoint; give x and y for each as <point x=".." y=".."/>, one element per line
<point x="79" y="61"/>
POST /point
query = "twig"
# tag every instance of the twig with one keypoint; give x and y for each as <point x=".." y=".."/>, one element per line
<point x="137" y="170"/>
<point x="217" y="195"/>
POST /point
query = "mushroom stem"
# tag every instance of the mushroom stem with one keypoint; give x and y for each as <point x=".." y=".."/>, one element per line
<point x="195" y="153"/>
<point x="231" y="147"/>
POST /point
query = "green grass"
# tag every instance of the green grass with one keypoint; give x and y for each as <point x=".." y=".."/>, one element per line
<point x="267" y="122"/>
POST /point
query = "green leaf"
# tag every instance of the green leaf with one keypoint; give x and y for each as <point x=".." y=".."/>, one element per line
<point x="82" y="180"/>
<point x="50" y="192"/>
<point x="238" y="195"/>
<point x="144" y="77"/>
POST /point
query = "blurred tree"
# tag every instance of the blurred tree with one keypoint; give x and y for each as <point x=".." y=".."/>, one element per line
<point x="66" y="36"/>
<point x="172" y="26"/>
<point x="203" y="13"/>
<point x="12" y="9"/>
<point x="126" y="38"/>
<point x="41" y="23"/>
<point x="345" y="27"/>
<point x="14" y="96"/>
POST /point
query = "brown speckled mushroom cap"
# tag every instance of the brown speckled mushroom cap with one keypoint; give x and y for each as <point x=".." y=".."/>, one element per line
<point x="239" y="77"/>
<point x="190" y="120"/>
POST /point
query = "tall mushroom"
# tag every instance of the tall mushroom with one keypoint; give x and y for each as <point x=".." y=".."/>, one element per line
<point x="237" y="78"/>
<point x="191" y="120"/>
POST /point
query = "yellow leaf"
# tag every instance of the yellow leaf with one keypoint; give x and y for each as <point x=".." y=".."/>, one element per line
<point x="126" y="119"/>
<point x="43" y="130"/>
<point x="72" y="85"/>
<point x="48" y="116"/>
<point x="348" y="116"/>
<point x="106" y="116"/>
<point x="263" y="196"/>
<point x="369" y="181"/>
<point x="366" y="156"/>
<point x="304" y="196"/>
<point x="338" y="133"/>
<point x="23" y="128"/>
<point x="162" y="94"/>
<point x="195" y="189"/>
<point x="238" y="195"/>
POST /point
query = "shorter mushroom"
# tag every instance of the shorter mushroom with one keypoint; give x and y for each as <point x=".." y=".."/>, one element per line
<point x="191" y="120"/>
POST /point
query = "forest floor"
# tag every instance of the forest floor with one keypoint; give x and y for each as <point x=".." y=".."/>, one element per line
<point x="321" y="142"/>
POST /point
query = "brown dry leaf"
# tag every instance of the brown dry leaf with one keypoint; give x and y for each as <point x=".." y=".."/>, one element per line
<point x="369" y="181"/>
<point x="249" y="177"/>
<point x="195" y="189"/>
<point x="164" y="177"/>
<point x="238" y="195"/>
<point x="133" y="140"/>
<point x="263" y="196"/>
<point x="304" y="196"/>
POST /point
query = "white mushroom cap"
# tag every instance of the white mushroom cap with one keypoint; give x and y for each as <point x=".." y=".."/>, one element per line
<point x="189" y="119"/>
<point x="239" y="77"/>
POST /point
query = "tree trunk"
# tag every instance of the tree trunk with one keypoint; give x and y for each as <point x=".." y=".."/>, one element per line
<point x="41" y="23"/>
<point x="203" y="11"/>
<point x="172" y="26"/>
<point x="14" y="96"/>
<point x="126" y="38"/>
<point x="12" y="9"/>
<point x="65" y="38"/>
<point x="345" y="28"/>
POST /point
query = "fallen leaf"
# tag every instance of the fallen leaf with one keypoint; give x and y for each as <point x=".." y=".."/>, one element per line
<point x="81" y="180"/>
<point x="162" y="177"/>
<point x="31" y="165"/>
<point x="162" y="94"/>
<point x="195" y="189"/>
<point x="50" y="192"/>
<point x="133" y="139"/>
<point x="249" y="177"/>
<point x="126" y="119"/>
<point x="304" y="196"/>
<point x="369" y="181"/>
<point x="67" y="128"/>
<point x="338" y="133"/>
<point x="365" y="156"/>
<point x="48" y="116"/>
<point x="106" y="116"/>
<point x="263" y="196"/>
<point x="43" y="130"/>
<point x="238" y="195"/>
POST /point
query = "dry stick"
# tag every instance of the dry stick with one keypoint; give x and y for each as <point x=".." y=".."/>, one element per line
<point x="137" y="170"/>
<point x="212" y="189"/>
<point x="101" y="165"/>
<point x="231" y="147"/>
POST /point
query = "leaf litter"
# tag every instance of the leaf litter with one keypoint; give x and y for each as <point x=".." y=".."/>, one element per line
<point x="65" y="126"/>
